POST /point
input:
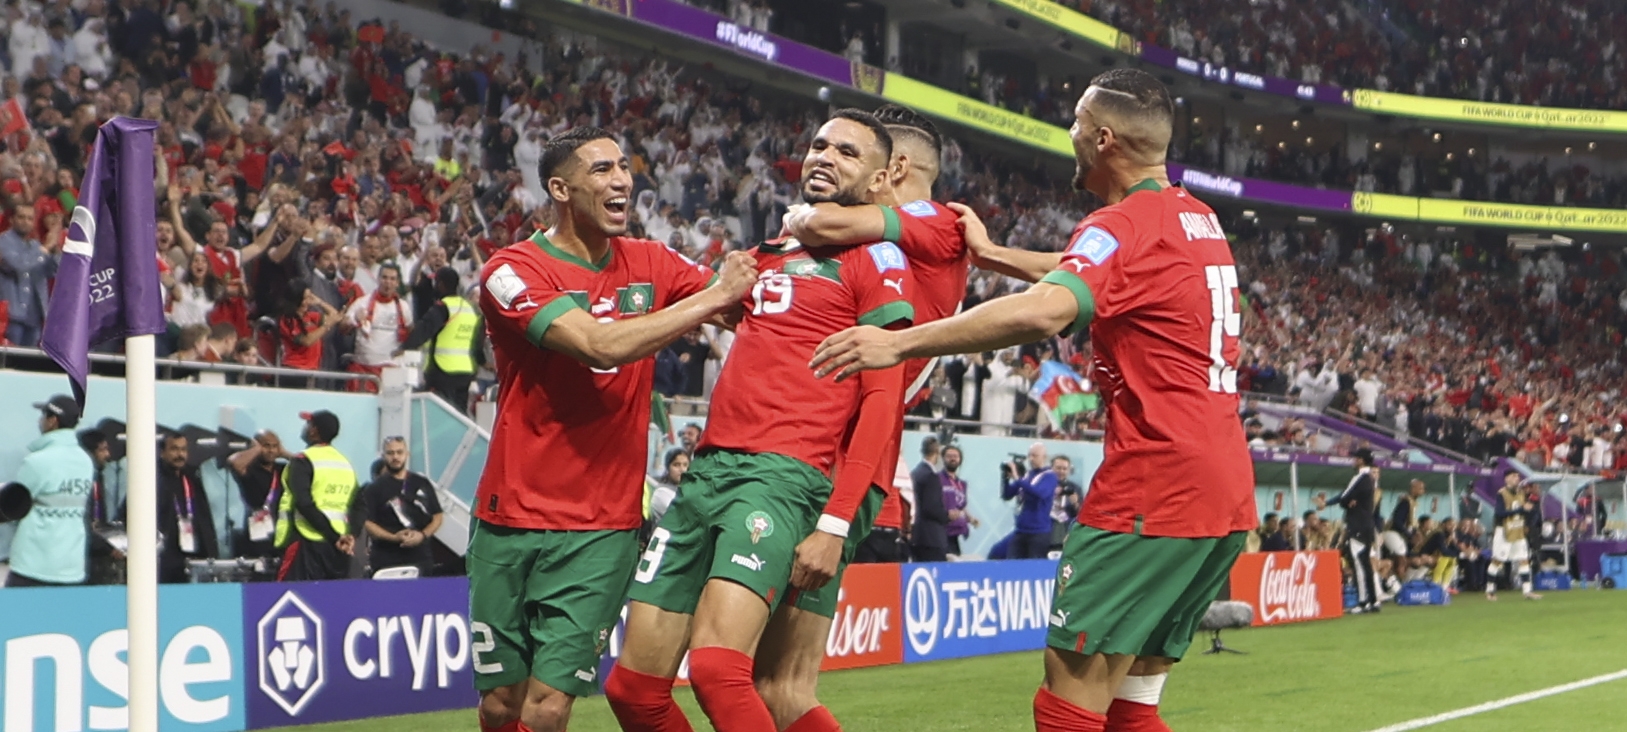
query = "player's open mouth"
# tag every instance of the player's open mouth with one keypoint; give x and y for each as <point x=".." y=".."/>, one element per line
<point x="822" y="176"/>
<point x="617" y="208"/>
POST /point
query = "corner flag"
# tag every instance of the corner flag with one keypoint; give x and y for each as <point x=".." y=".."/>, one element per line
<point x="107" y="286"/>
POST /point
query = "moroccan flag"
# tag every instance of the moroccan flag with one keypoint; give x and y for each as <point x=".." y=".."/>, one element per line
<point x="107" y="286"/>
<point x="1058" y="388"/>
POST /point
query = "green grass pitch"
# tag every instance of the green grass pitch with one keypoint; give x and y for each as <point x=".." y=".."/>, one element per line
<point x="1350" y="675"/>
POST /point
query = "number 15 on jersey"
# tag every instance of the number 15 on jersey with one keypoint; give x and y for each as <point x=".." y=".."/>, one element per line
<point x="1227" y="323"/>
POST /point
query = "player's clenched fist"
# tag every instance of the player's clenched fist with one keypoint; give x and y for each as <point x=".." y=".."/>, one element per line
<point x="864" y="348"/>
<point x="738" y="274"/>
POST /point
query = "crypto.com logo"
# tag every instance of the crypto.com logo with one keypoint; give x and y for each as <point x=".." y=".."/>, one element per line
<point x="292" y="659"/>
<point x="921" y="611"/>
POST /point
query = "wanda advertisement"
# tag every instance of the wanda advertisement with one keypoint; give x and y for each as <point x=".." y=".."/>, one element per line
<point x="1289" y="587"/>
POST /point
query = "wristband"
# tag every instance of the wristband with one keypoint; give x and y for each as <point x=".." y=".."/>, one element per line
<point x="832" y="525"/>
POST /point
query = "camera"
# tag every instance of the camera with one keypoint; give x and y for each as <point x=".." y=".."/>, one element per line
<point x="1018" y="465"/>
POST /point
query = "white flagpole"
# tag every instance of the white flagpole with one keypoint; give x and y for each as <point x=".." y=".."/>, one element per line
<point x="141" y="432"/>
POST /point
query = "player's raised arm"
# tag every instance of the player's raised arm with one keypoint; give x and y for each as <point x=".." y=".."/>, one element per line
<point x="1043" y="310"/>
<point x="1020" y="263"/>
<point x="579" y="335"/>
<point x="832" y="224"/>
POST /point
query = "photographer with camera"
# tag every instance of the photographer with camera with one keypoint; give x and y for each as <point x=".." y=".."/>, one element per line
<point x="1033" y="484"/>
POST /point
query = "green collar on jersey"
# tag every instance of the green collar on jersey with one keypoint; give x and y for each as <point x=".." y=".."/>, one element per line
<point x="1146" y="185"/>
<point x="541" y="240"/>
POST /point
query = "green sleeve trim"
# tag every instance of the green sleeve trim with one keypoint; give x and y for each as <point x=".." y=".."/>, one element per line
<point x="893" y="229"/>
<point x="1081" y="294"/>
<point x="546" y="316"/>
<point x="897" y="311"/>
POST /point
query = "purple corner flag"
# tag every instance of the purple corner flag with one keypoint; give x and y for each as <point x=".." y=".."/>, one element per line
<point x="107" y="286"/>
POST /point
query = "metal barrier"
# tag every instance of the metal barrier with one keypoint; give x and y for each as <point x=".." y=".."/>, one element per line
<point x="10" y="355"/>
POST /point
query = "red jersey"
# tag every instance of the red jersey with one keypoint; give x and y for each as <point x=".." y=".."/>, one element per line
<point x="1155" y="280"/>
<point x="767" y="399"/>
<point x="569" y="444"/>
<point x="930" y="236"/>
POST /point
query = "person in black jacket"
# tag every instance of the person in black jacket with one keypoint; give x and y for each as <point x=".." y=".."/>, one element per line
<point x="184" y="518"/>
<point x="930" y="537"/>
<point x="1360" y="531"/>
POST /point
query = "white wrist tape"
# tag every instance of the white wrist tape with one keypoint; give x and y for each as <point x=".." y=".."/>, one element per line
<point x="832" y="525"/>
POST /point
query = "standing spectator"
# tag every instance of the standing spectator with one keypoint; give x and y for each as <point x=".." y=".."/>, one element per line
<point x="1000" y="392"/>
<point x="382" y="322"/>
<point x="184" y="517"/>
<point x="195" y="293"/>
<point x="304" y="323"/>
<point x="452" y="329"/>
<point x="1034" y="489"/>
<point x="313" y="516"/>
<point x="1357" y="501"/>
<point x="403" y="514"/>
<point x="1065" y="502"/>
<point x="929" y="538"/>
<point x="26" y="268"/>
<point x="50" y="546"/>
<point x="1368" y="389"/>
<point x="689" y="437"/>
<point x="961" y="520"/>
<point x="257" y="470"/>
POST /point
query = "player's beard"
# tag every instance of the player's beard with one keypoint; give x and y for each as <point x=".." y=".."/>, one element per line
<point x="852" y="196"/>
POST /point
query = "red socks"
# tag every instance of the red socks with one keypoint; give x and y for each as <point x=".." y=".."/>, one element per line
<point x="1052" y="713"/>
<point x="514" y="726"/>
<point x="643" y="703"/>
<point x="1129" y="716"/>
<point x="722" y="681"/>
<point x="818" y="719"/>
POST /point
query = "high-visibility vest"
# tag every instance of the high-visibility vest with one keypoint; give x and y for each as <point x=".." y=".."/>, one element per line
<point x="333" y="485"/>
<point x="455" y="344"/>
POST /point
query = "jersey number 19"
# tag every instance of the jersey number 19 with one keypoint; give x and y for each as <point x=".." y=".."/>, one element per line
<point x="1227" y="323"/>
<point x="772" y="294"/>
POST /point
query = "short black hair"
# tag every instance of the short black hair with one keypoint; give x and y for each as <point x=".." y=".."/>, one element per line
<point x="929" y="445"/>
<point x="558" y="151"/>
<point x="447" y="280"/>
<point x="1363" y="456"/>
<point x="89" y="440"/>
<point x="1063" y="458"/>
<point x="898" y="118"/>
<point x="883" y="137"/>
<point x="673" y="455"/>
<point x="1147" y="95"/>
<point x="1270" y="515"/>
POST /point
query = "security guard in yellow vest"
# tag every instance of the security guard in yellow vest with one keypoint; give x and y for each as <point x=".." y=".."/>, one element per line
<point x="453" y="330"/>
<point x="313" y="516"/>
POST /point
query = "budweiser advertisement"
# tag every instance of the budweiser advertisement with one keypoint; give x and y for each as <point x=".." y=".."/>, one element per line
<point x="1289" y="587"/>
<point x="867" y="630"/>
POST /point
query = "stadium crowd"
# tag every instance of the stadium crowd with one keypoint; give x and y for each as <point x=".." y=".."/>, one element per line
<point x="1439" y="173"/>
<point x="1500" y="51"/>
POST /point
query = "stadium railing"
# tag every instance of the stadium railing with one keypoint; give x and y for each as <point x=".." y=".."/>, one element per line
<point x="17" y="357"/>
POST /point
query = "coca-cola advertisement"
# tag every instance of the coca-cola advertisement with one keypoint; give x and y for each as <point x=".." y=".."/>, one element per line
<point x="1289" y="587"/>
<point x="868" y="629"/>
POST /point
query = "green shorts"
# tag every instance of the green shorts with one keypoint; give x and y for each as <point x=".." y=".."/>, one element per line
<point x="737" y="517"/>
<point x="823" y="600"/>
<point x="542" y="603"/>
<point x="1136" y="595"/>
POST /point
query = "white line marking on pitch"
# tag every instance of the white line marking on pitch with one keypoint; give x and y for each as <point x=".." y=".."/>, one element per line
<point x="1500" y="703"/>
